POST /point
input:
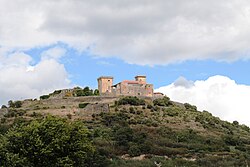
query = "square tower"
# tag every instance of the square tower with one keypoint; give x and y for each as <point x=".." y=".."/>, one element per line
<point x="105" y="84"/>
<point x="141" y="79"/>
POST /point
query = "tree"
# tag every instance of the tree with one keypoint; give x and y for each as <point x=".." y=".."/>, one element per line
<point x="52" y="141"/>
<point x="96" y="92"/>
<point x="236" y="123"/>
<point x="44" y="97"/>
<point x="87" y="91"/>
<point x="16" y="104"/>
<point x="190" y="107"/>
<point x="122" y="135"/>
<point x="11" y="104"/>
<point x="4" y="106"/>
<point x="165" y="101"/>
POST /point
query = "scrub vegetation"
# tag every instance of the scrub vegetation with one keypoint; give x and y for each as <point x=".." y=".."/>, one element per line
<point x="133" y="132"/>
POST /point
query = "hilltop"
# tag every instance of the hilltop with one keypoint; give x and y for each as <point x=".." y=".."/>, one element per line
<point x="140" y="131"/>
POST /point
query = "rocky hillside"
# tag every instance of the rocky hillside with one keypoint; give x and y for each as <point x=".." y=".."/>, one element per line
<point x="132" y="131"/>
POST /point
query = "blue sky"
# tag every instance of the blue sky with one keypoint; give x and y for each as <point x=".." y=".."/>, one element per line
<point x="194" y="51"/>
<point x="84" y="68"/>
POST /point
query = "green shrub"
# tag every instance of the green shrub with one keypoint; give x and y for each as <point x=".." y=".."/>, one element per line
<point x="77" y="91"/>
<point x="16" y="104"/>
<point x="134" y="150"/>
<point x="110" y="119"/>
<point x="36" y="115"/>
<point x="131" y="100"/>
<point x="232" y="140"/>
<point x="3" y="120"/>
<point x="4" y="106"/>
<point x="14" y="113"/>
<point x="122" y="135"/>
<point x="172" y="111"/>
<point x="96" y="92"/>
<point x="149" y="106"/>
<point x="132" y="110"/>
<point x="69" y="116"/>
<point x="57" y="92"/>
<point x="82" y="105"/>
<point x="10" y="114"/>
<point x="3" y="129"/>
<point x="235" y="123"/>
<point x="165" y="101"/>
<point x="43" y="97"/>
<point x="190" y="107"/>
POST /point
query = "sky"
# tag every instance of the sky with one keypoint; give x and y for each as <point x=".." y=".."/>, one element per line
<point x="193" y="51"/>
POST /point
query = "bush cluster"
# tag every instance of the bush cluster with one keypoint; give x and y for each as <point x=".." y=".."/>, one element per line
<point x="15" y="104"/>
<point x="131" y="100"/>
<point x="43" y="97"/>
<point x="165" y="101"/>
<point x="190" y="107"/>
<point x="85" y="92"/>
<point x="14" y="113"/>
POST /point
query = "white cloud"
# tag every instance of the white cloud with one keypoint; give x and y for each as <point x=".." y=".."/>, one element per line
<point x="53" y="53"/>
<point x="219" y="95"/>
<point x="142" y="31"/>
<point x="19" y="79"/>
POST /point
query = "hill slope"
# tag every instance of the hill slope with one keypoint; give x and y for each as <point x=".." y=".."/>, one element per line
<point x="143" y="131"/>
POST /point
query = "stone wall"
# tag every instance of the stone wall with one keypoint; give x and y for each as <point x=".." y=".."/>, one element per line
<point x="133" y="89"/>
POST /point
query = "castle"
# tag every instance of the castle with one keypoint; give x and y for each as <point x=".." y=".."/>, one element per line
<point x="137" y="87"/>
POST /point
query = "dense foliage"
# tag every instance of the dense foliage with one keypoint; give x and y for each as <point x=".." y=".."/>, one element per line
<point x="165" y="101"/>
<point x="76" y="92"/>
<point x="44" y="97"/>
<point x="85" y="92"/>
<point x="15" y="104"/>
<point x="48" y="142"/>
<point x="131" y="100"/>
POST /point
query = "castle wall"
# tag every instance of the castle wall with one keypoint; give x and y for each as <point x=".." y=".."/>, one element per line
<point x="133" y="89"/>
<point x="149" y="90"/>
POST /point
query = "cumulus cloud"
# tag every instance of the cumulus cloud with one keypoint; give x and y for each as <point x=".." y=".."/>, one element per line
<point x="220" y="95"/>
<point x="19" y="79"/>
<point x="183" y="82"/>
<point x="141" y="32"/>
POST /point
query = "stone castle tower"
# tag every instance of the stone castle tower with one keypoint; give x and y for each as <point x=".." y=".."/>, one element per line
<point x="141" y="79"/>
<point x="105" y="84"/>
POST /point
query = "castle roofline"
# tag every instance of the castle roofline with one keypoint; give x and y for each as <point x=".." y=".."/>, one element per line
<point x="131" y="82"/>
<point x="105" y="77"/>
<point x="141" y="76"/>
<point x="128" y="82"/>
